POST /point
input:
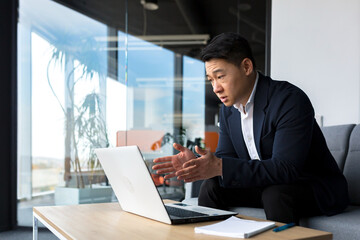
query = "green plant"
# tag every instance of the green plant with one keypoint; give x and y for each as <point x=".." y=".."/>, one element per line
<point x="85" y="127"/>
<point x="91" y="128"/>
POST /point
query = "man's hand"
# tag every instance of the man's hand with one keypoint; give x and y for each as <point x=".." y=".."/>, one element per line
<point x="204" y="167"/>
<point x="169" y="165"/>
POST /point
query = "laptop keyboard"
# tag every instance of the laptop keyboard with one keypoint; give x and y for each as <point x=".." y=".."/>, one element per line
<point x="182" y="212"/>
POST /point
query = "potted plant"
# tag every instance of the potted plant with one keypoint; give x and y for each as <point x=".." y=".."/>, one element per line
<point x="84" y="114"/>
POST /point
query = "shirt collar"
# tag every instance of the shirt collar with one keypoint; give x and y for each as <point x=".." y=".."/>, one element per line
<point x="239" y="106"/>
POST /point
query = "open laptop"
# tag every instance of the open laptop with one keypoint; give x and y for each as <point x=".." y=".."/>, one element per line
<point x="136" y="192"/>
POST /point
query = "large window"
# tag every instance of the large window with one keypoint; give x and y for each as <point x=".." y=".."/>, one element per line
<point x="71" y="102"/>
<point x="65" y="98"/>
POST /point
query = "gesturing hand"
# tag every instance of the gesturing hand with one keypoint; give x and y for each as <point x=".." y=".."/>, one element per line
<point x="169" y="165"/>
<point x="204" y="167"/>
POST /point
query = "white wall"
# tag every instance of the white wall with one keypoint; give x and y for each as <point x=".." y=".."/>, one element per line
<point x="315" y="44"/>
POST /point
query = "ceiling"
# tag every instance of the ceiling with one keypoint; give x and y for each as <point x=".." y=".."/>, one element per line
<point x="179" y="17"/>
<point x="184" y="17"/>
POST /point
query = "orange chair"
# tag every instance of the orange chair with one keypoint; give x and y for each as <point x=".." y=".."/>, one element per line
<point x="211" y="140"/>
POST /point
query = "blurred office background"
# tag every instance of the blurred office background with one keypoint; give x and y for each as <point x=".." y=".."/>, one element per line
<point x="87" y="74"/>
<point x="114" y="73"/>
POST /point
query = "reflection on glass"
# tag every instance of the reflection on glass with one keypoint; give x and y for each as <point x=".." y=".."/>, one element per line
<point x="66" y="65"/>
<point x="150" y="88"/>
<point x="78" y="91"/>
<point x="165" y="104"/>
<point x="194" y="100"/>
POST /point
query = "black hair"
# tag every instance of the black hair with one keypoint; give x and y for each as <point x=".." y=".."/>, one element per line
<point x="231" y="47"/>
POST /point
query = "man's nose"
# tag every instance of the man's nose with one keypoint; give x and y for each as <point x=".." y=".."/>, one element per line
<point x="216" y="87"/>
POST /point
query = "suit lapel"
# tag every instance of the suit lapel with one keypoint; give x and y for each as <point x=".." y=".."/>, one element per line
<point x="234" y="122"/>
<point x="260" y="104"/>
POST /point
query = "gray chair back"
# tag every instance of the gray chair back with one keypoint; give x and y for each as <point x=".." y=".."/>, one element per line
<point x="337" y="139"/>
<point x="352" y="166"/>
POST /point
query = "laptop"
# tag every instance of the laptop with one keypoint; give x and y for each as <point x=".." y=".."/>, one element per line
<point x="136" y="192"/>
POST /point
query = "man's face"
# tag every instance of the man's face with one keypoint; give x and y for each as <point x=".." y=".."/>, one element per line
<point x="230" y="83"/>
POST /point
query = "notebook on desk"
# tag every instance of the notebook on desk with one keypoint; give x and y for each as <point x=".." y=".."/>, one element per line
<point x="136" y="192"/>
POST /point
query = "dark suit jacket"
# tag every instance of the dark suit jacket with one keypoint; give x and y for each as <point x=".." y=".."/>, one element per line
<point x="290" y="144"/>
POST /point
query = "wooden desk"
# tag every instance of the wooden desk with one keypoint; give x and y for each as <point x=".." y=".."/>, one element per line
<point x="108" y="221"/>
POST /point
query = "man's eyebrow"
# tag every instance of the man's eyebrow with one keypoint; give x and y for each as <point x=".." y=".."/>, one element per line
<point x="216" y="71"/>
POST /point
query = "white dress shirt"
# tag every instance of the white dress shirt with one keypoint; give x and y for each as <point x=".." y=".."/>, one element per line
<point x="247" y="122"/>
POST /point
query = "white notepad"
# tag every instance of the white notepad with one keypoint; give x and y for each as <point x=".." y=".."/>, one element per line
<point x="235" y="227"/>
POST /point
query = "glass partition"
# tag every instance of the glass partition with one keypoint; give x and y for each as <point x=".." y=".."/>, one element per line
<point x="193" y="112"/>
<point x="104" y="74"/>
<point x="63" y="100"/>
<point x="81" y="87"/>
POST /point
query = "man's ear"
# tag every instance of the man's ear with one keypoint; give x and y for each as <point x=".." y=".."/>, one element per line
<point x="247" y="66"/>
